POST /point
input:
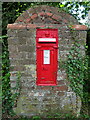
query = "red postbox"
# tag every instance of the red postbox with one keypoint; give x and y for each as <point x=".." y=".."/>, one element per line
<point x="46" y="56"/>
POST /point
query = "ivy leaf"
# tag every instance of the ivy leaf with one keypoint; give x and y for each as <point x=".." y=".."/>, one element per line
<point x="4" y="36"/>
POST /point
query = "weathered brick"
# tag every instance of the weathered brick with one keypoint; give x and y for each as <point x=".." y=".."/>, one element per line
<point x="55" y="10"/>
<point x="65" y="21"/>
<point x="27" y="20"/>
<point x="61" y="93"/>
<point x="22" y="40"/>
<point x="13" y="78"/>
<point x="13" y="61"/>
<point x="16" y="26"/>
<point x="11" y="33"/>
<point x="13" y="40"/>
<point x="19" y="33"/>
<point x="30" y="34"/>
<point x="41" y="14"/>
<point x="30" y="55"/>
<point x="31" y="26"/>
<point x="61" y="88"/>
<point x="13" y="48"/>
<point x="17" y="56"/>
<point x="44" y="88"/>
<point x="34" y="16"/>
<point x="26" y="61"/>
<point x="26" y="48"/>
<point x="13" y="84"/>
<point x="13" y="73"/>
<point x="48" y="21"/>
<point x="14" y="55"/>
<point x="30" y="41"/>
<point x="49" y="14"/>
<point x="61" y="82"/>
<point x="17" y="68"/>
<point x="36" y="21"/>
<point x="79" y="27"/>
<point x="57" y="17"/>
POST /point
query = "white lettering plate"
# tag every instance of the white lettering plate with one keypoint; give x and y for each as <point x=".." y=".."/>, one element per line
<point x="46" y="57"/>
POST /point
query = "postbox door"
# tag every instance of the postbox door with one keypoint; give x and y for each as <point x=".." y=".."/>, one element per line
<point x="46" y="66"/>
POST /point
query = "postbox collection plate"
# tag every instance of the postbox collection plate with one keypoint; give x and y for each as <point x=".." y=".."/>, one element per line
<point x="46" y="57"/>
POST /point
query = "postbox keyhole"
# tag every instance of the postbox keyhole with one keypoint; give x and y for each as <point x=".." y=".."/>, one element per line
<point x="44" y="68"/>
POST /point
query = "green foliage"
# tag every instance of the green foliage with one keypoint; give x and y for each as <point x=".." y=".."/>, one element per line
<point x="6" y="94"/>
<point x="7" y="97"/>
<point x="36" y="118"/>
<point x="4" y="36"/>
<point x="77" y="72"/>
<point x="78" y="9"/>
